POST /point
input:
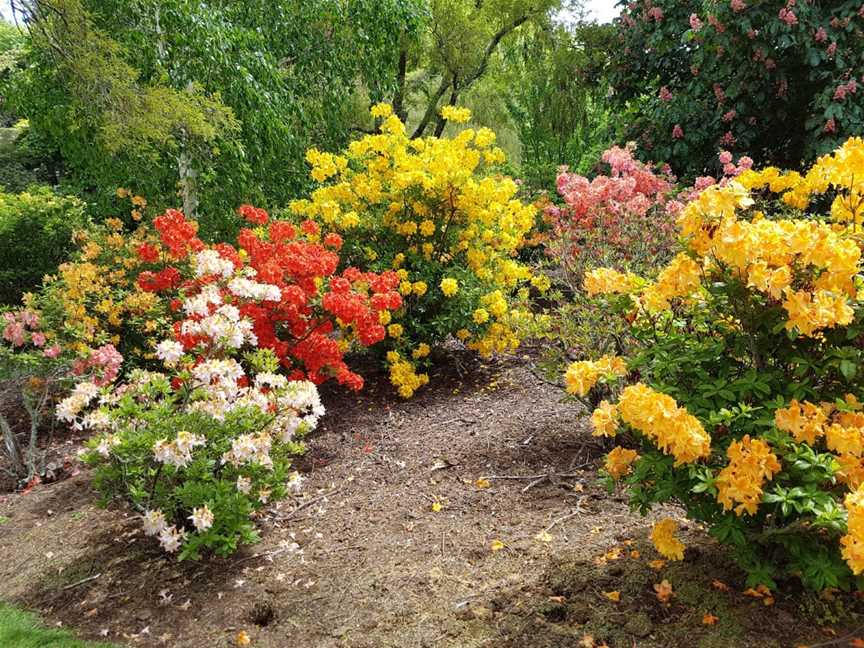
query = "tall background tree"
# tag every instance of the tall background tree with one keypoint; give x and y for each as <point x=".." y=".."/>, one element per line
<point x="777" y="79"/>
<point x="207" y="105"/>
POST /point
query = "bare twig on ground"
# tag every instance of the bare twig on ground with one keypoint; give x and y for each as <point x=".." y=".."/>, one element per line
<point x="82" y="581"/>
<point x="564" y="518"/>
<point x="307" y="504"/>
<point x="531" y="477"/>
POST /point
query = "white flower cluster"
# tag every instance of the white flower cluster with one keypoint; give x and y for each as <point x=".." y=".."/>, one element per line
<point x="249" y="289"/>
<point x="224" y="328"/>
<point x="177" y="453"/>
<point x="170" y="537"/>
<point x="250" y="448"/>
<point x="210" y="262"/>
<point x="107" y="442"/>
<point x="200" y="304"/>
<point x="69" y="408"/>
<point x="169" y="352"/>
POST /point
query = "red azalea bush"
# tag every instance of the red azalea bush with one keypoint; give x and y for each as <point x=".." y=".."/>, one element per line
<point x="281" y="285"/>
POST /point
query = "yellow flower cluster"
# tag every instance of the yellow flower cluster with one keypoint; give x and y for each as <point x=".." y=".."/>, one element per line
<point x="680" y="278"/>
<point x="455" y="114"/>
<point x="432" y="209"/>
<point x="663" y="537"/>
<point x="619" y="461"/>
<point x="770" y="256"/>
<point x="449" y="286"/>
<point x="581" y="376"/>
<point x="97" y="292"/>
<point x="672" y="428"/>
<point x="843" y="432"/>
<point x="751" y="464"/>
<point x="607" y="281"/>
<point x="852" y="544"/>
<point x="842" y="171"/>
<point x="403" y="375"/>
<point x="604" y="419"/>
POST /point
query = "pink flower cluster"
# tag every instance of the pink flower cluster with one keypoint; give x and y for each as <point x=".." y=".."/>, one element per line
<point x="103" y="363"/>
<point x="611" y="218"/>
<point x="655" y="13"/>
<point x="787" y="15"/>
<point x="22" y="327"/>
<point x="845" y="88"/>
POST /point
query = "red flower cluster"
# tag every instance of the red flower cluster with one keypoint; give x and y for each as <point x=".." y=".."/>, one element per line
<point x="165" y="279"/>
<point x="318" y="313"/>
<point x="254" y="215"/>
<point x="177" y="234"/>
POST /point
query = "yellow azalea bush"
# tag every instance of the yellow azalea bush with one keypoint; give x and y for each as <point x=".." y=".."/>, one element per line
<point x="94" y="299"/>
<point x="742" y="398"/>
<point x="436" y="211"/>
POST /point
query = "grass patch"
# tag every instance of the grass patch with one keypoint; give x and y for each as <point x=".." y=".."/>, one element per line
<point x="24" y="630"/>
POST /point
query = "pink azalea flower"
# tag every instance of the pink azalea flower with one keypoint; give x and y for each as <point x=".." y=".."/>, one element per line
<point x="52" y="351"/>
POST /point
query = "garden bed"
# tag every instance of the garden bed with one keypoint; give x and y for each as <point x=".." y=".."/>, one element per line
<point x="375" y="565"/>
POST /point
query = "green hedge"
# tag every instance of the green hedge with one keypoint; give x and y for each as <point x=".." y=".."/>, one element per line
<point x="35" y="237"/>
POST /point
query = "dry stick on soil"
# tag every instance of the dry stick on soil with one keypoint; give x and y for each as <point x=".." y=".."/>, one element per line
<point x="839" y="641"/>
<point x="81" y="582"/>
<point x="307" y="503"/>
<point x="564" y="518"/>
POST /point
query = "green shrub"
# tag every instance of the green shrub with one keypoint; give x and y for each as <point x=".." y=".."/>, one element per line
<point x="35" y="237"/>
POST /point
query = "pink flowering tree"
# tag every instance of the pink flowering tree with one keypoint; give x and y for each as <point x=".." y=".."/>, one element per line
<point x="780" y="80"/>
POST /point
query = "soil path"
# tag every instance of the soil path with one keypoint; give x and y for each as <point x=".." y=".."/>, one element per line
<point x="364" y="559"/>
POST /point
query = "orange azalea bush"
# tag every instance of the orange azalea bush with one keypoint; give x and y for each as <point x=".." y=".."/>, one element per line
<point x="742" y="401"/>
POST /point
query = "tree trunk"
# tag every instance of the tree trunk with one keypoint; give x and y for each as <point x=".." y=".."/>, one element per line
<point x="399" y="97"/>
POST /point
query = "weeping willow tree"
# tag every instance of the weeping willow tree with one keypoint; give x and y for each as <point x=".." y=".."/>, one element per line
<point x="558" y="102"/>
<point x="215" y="101"/>
<point x="457" y="47"/>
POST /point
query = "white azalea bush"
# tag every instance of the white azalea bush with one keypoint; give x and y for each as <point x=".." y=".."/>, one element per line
<point x="199" y="451"/>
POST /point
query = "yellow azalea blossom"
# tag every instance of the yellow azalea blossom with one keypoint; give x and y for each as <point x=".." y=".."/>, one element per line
<point x="852" y="544"/>
<point x="751" y="464"/>
<point x="581" y="376"/>
<point x="672" y="428"/>
<point x="421" y="351"/>
<point x="381" y="110"/>
<point x="395" y="330"/>
<point x="605" y="281"/>
<point x="619" y="462"/>
<point x="604" y="419"/>
<point x="804" y="421"/>
<point x="663" y="537"/>
<point x="455" y="114"/>
<point x="449" y="286"/>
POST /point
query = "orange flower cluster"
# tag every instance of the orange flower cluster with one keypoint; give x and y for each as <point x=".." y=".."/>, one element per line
<point x="751" y="464"/>
<point x="672" y="428"/>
